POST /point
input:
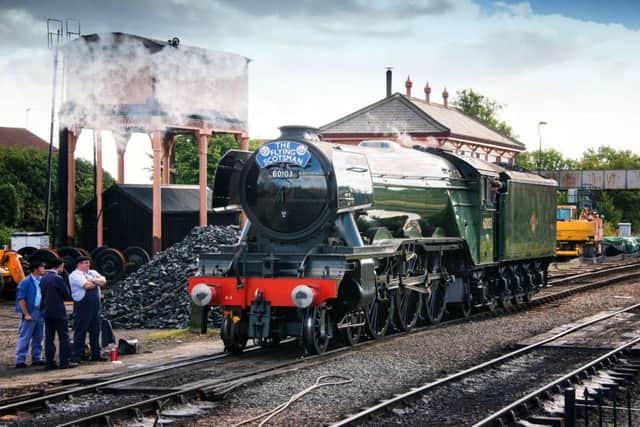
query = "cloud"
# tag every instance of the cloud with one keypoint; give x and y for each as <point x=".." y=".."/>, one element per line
<point x="18" y="29"/>
<point x="332" y="8"/>
<point x="515" y="9"/>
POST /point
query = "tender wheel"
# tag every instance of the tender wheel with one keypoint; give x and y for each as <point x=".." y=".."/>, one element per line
<point x="233" y="336"/>
<point x="316" y="330"/>
<point x="379" y="313"/>
<point x="434" y="303"/>
<point x="408" y="304"/>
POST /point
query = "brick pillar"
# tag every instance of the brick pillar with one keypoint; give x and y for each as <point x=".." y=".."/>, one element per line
<point x="71" y="187"/>
<point x="98" y="136"/>
<point x="156" y="214"/>
<point x="203" y="145"/>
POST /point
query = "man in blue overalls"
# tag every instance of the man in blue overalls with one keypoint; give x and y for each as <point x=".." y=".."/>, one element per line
<point x="85" y="291"/>
<point x="30" y="328"/>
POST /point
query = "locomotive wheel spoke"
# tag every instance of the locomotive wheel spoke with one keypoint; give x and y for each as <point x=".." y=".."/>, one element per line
<point x="434" y="303"/>
<point x="408" y="304"/>
<point x="379" y="313"/>
<point x="316" y="330"/>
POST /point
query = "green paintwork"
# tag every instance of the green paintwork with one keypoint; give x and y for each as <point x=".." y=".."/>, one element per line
<point x="527" y="221"/>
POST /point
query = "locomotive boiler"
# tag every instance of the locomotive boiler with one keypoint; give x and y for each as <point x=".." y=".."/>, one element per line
<point x="342" y="240"/>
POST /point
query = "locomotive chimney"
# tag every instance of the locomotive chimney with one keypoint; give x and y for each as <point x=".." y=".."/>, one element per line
<point x="388" y="81"/>
<point x="445" y="98"/>
<point x="427" y="93"/>
<point x="408" y="85"/>
<point x="304" y="133"/>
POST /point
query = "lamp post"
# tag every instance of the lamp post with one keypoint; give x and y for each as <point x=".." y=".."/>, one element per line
<point x="540" y="146"/>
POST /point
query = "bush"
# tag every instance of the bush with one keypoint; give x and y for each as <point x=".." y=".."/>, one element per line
<point x="9" y="205"/>
<point x="5" y="235"/>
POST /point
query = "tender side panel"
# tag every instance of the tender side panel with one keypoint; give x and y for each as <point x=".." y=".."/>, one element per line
<point x="528" y="221"/>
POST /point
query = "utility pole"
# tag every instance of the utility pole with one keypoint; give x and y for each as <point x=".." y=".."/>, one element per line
<point x="540" y="146"/>
<point x="54" y="35"/>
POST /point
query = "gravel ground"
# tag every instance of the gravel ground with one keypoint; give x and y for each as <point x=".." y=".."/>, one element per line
<point x="380" y="371"/>
<point x="154" y="346"/>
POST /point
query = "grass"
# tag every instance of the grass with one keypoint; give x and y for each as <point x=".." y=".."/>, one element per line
<point x="184" y="333"/>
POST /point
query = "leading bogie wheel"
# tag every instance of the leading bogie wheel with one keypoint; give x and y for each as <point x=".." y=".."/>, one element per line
<point x="379" y="313"/>
<point x="233" y="335"/>
<point x="408" y="304"/>
<point x="316" y="330"/>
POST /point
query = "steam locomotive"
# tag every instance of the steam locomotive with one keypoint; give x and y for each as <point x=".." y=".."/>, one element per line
<point x="340" y="239"/>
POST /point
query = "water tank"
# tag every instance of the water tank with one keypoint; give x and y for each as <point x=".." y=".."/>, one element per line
<point x="134" y="81"/>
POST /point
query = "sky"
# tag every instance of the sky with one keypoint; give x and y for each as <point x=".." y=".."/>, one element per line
<point x="572" y="64"/>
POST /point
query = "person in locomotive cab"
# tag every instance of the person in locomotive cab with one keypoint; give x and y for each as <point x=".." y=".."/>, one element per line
<point x="54" y="293"/>
<point x="85" y="291"/>
<point x="496" y="185"/>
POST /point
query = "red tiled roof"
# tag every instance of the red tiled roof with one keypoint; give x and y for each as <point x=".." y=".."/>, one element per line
<point x="21" y="137"/>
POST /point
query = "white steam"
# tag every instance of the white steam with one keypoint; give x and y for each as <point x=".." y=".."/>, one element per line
<point x="116" y="79"/>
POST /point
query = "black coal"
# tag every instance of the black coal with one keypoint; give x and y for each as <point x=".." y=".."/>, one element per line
<point x="155" y="296"/>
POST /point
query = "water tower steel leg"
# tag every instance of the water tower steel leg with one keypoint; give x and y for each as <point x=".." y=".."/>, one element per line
<point x="98" y="187"/>
<point x="71" y="185"/>
<point x="156" y="214"/>
<point x="203" y="142"/>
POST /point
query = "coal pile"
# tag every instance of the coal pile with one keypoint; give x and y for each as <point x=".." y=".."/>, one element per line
<point x="155" y="296"/>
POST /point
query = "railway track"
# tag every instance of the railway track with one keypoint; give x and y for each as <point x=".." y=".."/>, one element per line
<point x="149" y="390"/>
<point x="448" y="400"/>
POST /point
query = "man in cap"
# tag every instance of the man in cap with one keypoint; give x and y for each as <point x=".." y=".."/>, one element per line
<point x="54" y="293"/>
<point x="28" y="298"/>
<point x="85" y="291"/>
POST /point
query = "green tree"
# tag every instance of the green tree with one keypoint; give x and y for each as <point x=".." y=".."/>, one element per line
<point x="606" y="207"/>
<point x="26" y="170"/>
<point x="483" y="109"/>
<point x="609" y="158"/>
<point x="548" y="160"/>
<point x="187" y="159"/>
<point x="9" y="206"/>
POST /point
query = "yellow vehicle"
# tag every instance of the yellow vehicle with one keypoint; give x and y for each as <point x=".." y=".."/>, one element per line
<point x="578" y="235"/>
<point x="11" y="270"/>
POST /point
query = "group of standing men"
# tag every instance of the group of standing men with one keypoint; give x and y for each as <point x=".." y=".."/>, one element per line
<point x="40" y="300"/>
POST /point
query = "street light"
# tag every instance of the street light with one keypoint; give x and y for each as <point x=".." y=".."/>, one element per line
<point x="540" y="146"/>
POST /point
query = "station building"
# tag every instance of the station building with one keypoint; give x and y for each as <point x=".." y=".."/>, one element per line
<point x="409" y="121"/>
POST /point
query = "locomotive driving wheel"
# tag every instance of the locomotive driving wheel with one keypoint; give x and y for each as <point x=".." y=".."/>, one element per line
<point x="380" y="312"/>
<point x="316" y="330"/>
<point x="434" y="302"/>
<point x="233" y="335"/>
<point x="351" y="334"/>
<point x="408" y="304"/>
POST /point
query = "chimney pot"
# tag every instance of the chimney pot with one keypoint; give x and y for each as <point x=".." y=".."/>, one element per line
<point x="445" y="97"/>
<point x="427" y="93"/>
<point x="408" y="85"/>
<point x="388" y="82"/>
